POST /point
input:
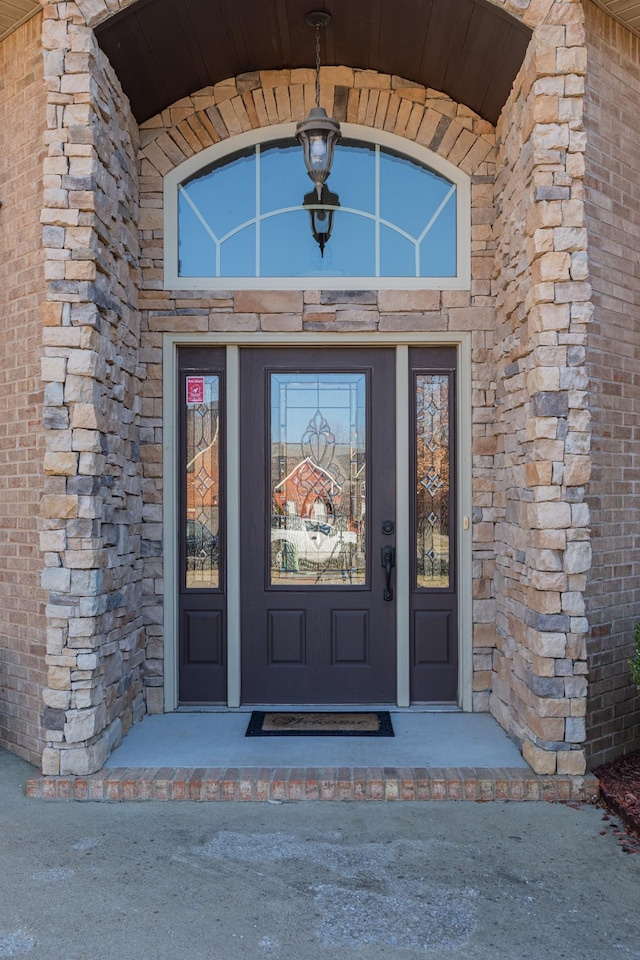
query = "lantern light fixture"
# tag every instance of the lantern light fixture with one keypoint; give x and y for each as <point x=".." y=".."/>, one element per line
<point x="318" y="134"/>
<point x="321" y="209"/>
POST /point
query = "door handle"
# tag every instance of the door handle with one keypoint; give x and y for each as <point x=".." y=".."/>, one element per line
<point x="388" y="562"/>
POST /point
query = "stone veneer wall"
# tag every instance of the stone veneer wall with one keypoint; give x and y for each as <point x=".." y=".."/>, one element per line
<point x="542" y="421"/>
<point x="92" y="507"/>
<point x="613" y="212"/>
<point x="22" y="620"/>
<point x="531" y="435"/>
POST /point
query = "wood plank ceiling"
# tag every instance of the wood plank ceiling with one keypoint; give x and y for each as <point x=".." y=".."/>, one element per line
<point x="163" y="50"/>
<point x="626" y="11"/>
<point x="15" y="12"/>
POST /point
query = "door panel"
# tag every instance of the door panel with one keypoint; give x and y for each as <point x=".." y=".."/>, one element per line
<point x="434" y="600"/>
<point x="317" y="480"/>
<point x="350" y="641"/>
<point x="203" y="630"/>
<point x="202" y="598"/>
<point x="432" y="638"/>
<point x="287" y="637"/>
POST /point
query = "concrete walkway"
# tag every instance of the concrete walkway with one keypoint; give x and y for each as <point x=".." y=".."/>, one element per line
<point x="304" y="881"/>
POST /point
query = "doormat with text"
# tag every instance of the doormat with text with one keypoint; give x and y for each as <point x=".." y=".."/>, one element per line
<point x="326" y="724"/>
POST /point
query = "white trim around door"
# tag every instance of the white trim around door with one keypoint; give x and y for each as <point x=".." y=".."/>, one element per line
<point x="171" y="343"/>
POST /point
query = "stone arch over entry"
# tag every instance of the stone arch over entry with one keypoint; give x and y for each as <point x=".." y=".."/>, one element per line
<point x="363" y="97"/>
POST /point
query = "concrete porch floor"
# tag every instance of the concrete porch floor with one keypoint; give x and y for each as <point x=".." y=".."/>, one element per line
<point x="202" y="756"/>
<point x="422" y="739"/>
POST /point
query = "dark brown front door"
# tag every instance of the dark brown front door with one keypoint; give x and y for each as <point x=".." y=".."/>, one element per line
<point x="317" y="507"/>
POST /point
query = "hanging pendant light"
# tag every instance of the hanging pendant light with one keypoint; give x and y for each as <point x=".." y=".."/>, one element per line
<point x="318" y="134"/>
<point x="321" y="209"/>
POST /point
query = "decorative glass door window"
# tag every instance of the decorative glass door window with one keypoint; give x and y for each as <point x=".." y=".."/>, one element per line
<point x="432" y="480"/>
<point x="318" y="467"/>
<point x="242" y="217"/>
<point x="201" y="528"/>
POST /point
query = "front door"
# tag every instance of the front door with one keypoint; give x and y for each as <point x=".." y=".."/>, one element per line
<point x="315" y="494"/>
<point x="317" y="522"/>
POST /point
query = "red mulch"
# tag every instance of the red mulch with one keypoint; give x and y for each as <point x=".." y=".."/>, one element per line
<point x="620" y="789"/>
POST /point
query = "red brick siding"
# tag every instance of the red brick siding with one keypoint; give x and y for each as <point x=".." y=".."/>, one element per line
<point x="613" y="211"/>
<point x="22" y="623"/>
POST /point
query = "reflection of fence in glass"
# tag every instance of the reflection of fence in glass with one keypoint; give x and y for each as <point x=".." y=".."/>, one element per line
<point x="317" y="479"/>
<point x="201" y="529"/>
<point x="432" y="480"/>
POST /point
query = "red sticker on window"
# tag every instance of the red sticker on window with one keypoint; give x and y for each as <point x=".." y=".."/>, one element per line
<point x="195" y="389"/>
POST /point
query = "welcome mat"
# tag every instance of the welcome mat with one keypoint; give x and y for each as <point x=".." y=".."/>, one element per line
<point x="326" y="724"/>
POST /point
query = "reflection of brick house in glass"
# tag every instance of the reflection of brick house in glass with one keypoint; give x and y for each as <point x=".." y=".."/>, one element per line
<point x="433" y="488"/>
<point x="308" y="491"/>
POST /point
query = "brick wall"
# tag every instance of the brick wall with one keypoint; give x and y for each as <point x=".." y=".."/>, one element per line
<point x="22" y="622"/>
<point x="613" y="211"/>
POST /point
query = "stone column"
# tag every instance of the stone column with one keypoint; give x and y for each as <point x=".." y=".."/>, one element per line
<point x="542" y="418"/>
<point x="92" y="507"/>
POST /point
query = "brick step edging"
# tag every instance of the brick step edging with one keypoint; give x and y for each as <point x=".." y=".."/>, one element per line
<point x="312" y="783"/>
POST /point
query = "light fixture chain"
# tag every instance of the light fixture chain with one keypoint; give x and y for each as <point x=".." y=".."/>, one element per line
<point x="317" y="65"/>
<point x="318" y="135"/>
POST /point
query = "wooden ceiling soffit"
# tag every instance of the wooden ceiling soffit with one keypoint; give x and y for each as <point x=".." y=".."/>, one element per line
<point x="163" y="50"/>
<point x="13" y="13"/>
<point x="626" y="12"/>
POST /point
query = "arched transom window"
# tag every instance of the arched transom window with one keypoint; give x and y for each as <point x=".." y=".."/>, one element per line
<point x="236" y="218"/>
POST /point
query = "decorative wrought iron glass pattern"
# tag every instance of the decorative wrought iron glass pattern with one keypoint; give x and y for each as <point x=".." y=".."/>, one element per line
<point x="432" y="480"/>
<point x="201" y="527"/>
<point x="243" y="217"/>
<point x="318" y="479"/>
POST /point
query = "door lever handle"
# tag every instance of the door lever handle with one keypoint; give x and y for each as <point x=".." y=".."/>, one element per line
<point x="388" y="562"/>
